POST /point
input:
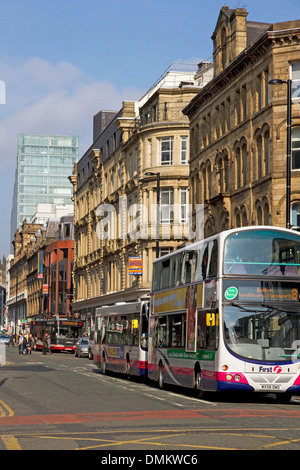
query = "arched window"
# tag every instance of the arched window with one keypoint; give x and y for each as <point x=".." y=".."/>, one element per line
<point x="222" y="163"/>
<point x="266" y="151"/>
<point x="296" y="214"/>
<point x="244" y="217"/>
<point x="244" y="163"/>
<point x="259" y="156"/>
<point x="262" y="152"/>
<point x="266" y="212"/>
<point x="296" y="148"/>
<point x="238" y="167"/>
<point x="237" y="218"/>
<point x="259" y="215"/>
<point x="206" y="176"/>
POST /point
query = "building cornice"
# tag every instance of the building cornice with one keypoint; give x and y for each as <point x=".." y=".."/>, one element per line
<point x="249" y="56"/>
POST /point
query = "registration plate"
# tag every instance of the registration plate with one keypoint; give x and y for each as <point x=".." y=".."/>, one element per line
<point x="270" y="387"/>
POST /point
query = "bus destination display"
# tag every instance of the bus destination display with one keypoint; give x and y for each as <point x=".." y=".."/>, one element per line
<point x="257" y="291"/>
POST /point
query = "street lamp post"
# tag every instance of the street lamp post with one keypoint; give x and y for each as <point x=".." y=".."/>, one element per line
<point x="277" y="81"/>
<point x="149" y="173"/>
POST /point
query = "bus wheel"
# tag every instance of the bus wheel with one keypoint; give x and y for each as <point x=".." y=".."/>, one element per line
<point x="103" y="365"/>
<point x="161" y="376"/>
<point x="198" y="384"/>
<point x="284" y="397"/>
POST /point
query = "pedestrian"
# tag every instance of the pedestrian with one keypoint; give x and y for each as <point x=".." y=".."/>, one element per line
<point x="20" y="343"/>
<point x="24" y="345"/>
<point x="11" y="340"/>
<point x="33" y="342"/>
<point x="30" y="343"/>
<point x="45" y="344"/>
<point x="49" y="343"/>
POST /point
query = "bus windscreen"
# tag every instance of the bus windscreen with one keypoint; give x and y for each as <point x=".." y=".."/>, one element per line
<point x="262" y="252"/>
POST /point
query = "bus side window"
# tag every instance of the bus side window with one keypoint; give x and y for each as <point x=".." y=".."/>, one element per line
<point x="109" y="330"/>
<point x="177" y="330"/>
<point x="162" y="332"/>
<point x="213" y="259"/>
<point x="175" y="270"/>
<point x="135" y="328"/>
<point x="204" y="262"/>
<point x="103" y="330"/>
<point x="198" y="266"/>
<point x="189" y="266"/>
<point x="201" y="331"/>
<point x="165" y="274"/>
<point x="187" y="270"/>
<point x="156" y="276"/>
<point x="127" y="332"/>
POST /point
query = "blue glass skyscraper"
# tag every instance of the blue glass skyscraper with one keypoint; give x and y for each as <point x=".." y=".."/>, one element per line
<point x="44" y="163"/>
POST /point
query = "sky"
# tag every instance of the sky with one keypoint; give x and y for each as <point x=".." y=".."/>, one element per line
<point x="62" y="61"/>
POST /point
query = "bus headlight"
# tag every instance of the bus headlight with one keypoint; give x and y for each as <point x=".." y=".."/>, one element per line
<point x="228" y="377"/>
<point x="225" y="367"/>
<point x="237" y="377"/>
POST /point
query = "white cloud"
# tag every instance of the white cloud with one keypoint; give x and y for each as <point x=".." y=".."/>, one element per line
<point x="42" y="98"/>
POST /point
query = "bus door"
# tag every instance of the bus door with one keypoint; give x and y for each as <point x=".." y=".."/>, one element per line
<point x="144" y="326"/>
<point x="207" y="332"/>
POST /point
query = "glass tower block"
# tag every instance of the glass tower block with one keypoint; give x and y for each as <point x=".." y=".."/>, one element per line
<point x="44" y="163"/>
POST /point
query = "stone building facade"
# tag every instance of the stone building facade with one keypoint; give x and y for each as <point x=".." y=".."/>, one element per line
<point x="43" y="256"/>
<point x="19" y="272"/>
<point x="238" y="125"/>
<point x="115" y="191"/>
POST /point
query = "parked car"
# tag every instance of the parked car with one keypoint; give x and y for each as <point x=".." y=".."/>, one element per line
<point x="81" y="348"/>
<point x="4" y="339"/>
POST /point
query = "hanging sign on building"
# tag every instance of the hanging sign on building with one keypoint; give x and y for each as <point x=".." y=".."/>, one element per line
<point x="45" y="289"/>
<point x="135" y="266"/>
<point x="40" y="264"/>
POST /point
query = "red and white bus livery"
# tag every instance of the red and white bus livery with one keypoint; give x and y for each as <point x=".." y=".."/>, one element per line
<point x="63" y="334"/>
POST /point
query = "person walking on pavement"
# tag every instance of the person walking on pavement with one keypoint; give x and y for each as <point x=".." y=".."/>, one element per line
<point x="20" y="343"/>
<point x="30" y="343"/>
<point x="24" y="345"/>
<point x="45" y="343"/>
<point x="11" y="340"/>
<point x="49" y="344"/>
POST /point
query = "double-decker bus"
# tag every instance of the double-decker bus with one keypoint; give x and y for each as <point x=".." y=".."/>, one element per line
<point x="121" y="338"/>
<point x="63" y="333"/>
<point x="225" y="313"/>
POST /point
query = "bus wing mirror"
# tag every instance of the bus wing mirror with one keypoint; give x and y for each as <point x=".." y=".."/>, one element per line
<point x="145" y="310"/>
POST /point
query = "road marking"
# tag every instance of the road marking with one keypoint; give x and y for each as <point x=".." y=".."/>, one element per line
<point x="198" y="400"/>
<point x="4" y="409"/>
<point x="154" y="397"/>
<point x="11" y="443"/>
<point x="157" y="437"/>
<point x="279" y="443"/>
